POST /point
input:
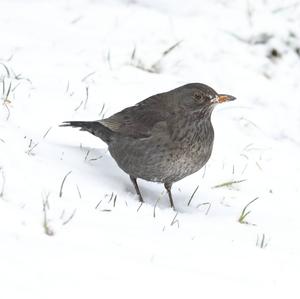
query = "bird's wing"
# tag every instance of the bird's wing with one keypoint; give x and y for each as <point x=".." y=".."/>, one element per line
<point x="138" y="121"/>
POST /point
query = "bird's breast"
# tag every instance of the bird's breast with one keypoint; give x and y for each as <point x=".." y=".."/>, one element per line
<point x="166" y="156"/>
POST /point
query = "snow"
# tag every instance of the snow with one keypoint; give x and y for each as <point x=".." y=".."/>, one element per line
<point x="80" y="60"/>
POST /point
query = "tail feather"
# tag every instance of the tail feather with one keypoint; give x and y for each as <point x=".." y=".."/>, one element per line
<point x="93" y="127"/>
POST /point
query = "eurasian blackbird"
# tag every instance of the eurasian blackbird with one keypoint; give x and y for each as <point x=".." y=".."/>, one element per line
<point x="163" y="138"/>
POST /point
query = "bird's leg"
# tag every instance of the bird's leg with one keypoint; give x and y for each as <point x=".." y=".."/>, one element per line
<point x="136" y="187"/>
<point x="168" y="187"/>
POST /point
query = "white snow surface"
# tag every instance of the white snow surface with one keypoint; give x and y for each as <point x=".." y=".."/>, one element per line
<point x="82" y="60"/>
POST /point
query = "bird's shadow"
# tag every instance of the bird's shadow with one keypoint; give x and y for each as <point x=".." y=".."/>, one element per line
<point x="97" y="160"/>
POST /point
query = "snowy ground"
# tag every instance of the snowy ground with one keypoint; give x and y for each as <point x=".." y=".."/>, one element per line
<point x="80" y="60"/>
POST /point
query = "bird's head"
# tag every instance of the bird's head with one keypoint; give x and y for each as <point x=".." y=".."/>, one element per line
<point x="198" y="96"/>
<point x="205" y="95"/>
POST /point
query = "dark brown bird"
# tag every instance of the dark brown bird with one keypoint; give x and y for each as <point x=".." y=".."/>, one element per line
<point x="163" y="138"/>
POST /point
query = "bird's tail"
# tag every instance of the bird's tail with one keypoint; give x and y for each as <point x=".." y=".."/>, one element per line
<point x="93" y="127"/>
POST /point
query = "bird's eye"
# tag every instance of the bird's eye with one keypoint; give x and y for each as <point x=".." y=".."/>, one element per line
<point x="197" y="96"/>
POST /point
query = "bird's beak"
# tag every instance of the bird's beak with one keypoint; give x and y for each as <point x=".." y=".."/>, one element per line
<point x="221" y="98"/>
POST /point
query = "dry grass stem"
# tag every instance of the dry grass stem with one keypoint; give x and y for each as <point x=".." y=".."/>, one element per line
<point x="78" y="190"/>
<point x="245" y="213"/>
<point x="175" y="221"/>
<point x="98" y="204"/>
<point x="69" y="218"/>
<point x="48" y="231"/>
<point x="228" y="184"/>
<point x="261" y="241"/>
<point x="62" y="183"/>
<point x="193" y="195"/>
<point x="44" y="136"/>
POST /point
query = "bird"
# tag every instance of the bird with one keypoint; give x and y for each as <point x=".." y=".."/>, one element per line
<point x="163" y="138"/>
